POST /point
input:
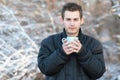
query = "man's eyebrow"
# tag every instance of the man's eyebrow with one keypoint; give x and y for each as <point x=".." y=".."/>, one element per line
<point x="72" y="19"/>
<point x="76" y="18"/>
<point x="68" y="18"/>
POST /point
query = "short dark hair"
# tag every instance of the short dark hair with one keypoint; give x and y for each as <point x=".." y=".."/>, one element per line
<point x="71" y="7"/>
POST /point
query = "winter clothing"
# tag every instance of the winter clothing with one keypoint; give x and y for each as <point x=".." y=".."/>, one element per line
<point x="88" y="64"/>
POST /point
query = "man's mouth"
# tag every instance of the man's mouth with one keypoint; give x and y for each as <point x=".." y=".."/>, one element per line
<point x="72" y="28"/>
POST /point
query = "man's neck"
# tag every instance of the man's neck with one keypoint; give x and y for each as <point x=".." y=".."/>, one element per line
<point x="72" y="35"/>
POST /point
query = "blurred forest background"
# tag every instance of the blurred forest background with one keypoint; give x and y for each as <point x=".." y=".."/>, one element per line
<point x="25" y="23"/>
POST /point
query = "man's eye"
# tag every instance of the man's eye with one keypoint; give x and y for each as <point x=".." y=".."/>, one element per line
<point x="68" y="19"/>
<point x="75" y="19"/>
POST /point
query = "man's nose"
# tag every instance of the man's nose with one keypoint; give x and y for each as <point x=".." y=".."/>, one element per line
<point x="72" y="22"/>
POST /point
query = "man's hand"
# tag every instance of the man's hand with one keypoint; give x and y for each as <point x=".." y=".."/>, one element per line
<point x="70" y="47"/>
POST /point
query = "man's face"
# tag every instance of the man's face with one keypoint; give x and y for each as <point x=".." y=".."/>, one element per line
<point x="72" y="22"/>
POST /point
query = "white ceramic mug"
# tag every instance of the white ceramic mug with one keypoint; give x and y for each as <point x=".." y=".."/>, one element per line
<point x="69" y="39"/>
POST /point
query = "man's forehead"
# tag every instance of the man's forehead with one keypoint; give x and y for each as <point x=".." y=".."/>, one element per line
<point x="72" y="14"/>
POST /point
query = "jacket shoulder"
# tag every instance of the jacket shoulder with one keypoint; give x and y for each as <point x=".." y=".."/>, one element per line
<point x="92" y="39"/>
<point x="50" y="39"/>
<point x="92" y="42"/>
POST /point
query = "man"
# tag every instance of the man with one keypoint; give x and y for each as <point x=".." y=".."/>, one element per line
<point x="80" y="59"/>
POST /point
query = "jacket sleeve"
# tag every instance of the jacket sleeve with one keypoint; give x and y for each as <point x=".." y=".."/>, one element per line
<point x="92" y="60"/>
<point x="51" y="61"/>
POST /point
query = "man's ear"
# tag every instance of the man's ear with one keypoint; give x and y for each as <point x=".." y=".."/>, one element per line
<point x="82" y="21"/>
<point x="61" y="19"/>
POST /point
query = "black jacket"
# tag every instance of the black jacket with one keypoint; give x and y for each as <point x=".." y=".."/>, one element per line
<point x="56" y="65"/>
